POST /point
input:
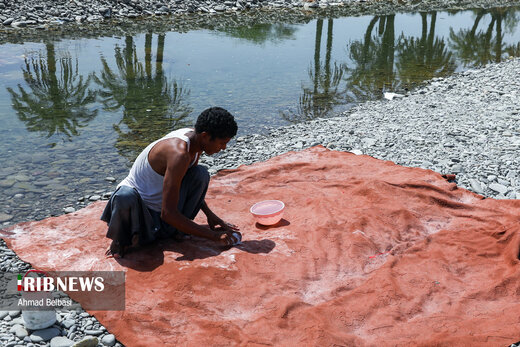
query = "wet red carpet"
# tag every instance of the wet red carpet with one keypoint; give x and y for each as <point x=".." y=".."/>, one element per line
<point x="368" y="253"/>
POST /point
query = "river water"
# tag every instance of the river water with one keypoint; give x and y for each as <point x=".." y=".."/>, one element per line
<point x="76" y="111"/>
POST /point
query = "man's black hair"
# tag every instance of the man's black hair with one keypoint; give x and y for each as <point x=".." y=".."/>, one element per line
<point x="217" y="122"/>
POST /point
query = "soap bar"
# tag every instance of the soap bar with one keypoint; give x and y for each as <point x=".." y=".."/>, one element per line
<point x="238" y="237"/>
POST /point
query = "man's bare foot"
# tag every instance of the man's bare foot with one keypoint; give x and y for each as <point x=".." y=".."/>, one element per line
<point x="109" y="254"/>
<point x="114" y="251"/>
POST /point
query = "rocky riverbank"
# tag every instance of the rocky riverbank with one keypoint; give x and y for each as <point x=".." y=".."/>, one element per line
<point x="22" y="21"/>
<point x="19" y="14"/>
<point x="467" y="124"/>
<point x="73" y="327"/>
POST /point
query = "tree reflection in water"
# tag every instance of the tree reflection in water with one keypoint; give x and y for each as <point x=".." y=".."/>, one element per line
<point x="425" y="57"/>
<point x="151" y="104"/>
<point x="476" y="48"/>
<point x="55" y="103"/>
<point x="262" y="32"/>
<point x="374" y="62"/>
<point x="325" y="93"/>
<point x="379" y="64"/>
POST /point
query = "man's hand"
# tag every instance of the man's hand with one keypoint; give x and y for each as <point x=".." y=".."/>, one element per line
<point x="214" y="222"/>
<point x="228" y="239"/>
<point x="225" y="229"/>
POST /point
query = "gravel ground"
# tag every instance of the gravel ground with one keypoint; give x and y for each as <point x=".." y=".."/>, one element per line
<point x="23" y="13"/>
<point x="467" y="124"/>
<point x="35" y="20"/>
<point x="73" y="327"/>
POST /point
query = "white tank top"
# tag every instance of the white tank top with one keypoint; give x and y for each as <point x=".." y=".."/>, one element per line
<point x="145" y="180"/>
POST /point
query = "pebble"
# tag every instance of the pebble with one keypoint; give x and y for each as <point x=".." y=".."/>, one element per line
<point x="88" y="341"/>
<point x="67" y="323"/>
<point x="36" y="338"/>
<point x="94" y="197"/>
<point x="44" y="334"/>
<point x="456" y="169"/>
<point x="61" y="341"/>
<point x="497" y="187"/>
<point x="476" y="186"/>
<point x="16" y="321"/>
<point x="22" y="178"/>
<point x="19" y="331"/>
<point x="108" y="340"/>
<point x="4" y="217"/>
<point x="503" y="182"/>
<point x="93" y="332"/>
<point x="8" y="21"/>
<point x="7" y="183"/>
<point x="69" y="209"/>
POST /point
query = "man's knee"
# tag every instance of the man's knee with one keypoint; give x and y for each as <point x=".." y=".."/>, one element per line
<point x="125" y="198"/>
<point x="200" y="175"/>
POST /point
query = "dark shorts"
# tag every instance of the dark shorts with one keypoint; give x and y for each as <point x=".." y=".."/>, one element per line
<point x="128" y="217"/>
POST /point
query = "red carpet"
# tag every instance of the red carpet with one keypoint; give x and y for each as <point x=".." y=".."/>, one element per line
<point x="368" y="253"/>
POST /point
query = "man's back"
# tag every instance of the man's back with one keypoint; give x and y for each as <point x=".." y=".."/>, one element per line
<point x="147" y="172"/>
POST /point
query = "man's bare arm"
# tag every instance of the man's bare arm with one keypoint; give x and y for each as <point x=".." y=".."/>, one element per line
<point x="214" y="220"/>
<point x="177" y="165"/>
<point x="207" y="211"/>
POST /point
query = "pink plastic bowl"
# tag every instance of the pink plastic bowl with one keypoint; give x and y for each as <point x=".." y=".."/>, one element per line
<point x="268" y="212"/>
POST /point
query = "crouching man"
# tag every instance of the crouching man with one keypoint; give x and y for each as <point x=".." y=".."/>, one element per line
<point x="165" y="189"/>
